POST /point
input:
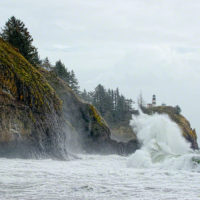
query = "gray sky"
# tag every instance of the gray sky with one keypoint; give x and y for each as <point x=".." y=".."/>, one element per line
<point x="148" y="46"/>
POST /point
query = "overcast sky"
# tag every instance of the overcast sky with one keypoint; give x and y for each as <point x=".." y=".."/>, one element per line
<point x="148" y="46"/>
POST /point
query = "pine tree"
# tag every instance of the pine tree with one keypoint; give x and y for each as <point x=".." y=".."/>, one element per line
<point x="68" y="77"/>
<point x="61" y="71"/>
<point x="73" y="82"/>
<point x="15" y="33"/>
<point x="99" y="100"/>
<point x="114" y="107"/>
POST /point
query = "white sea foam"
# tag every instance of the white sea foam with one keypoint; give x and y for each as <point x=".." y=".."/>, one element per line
<point x="95" y="177"/>
<point x="163" y="145"/>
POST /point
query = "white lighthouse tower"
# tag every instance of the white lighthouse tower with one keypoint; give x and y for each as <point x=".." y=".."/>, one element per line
<point x="154" y="100"/>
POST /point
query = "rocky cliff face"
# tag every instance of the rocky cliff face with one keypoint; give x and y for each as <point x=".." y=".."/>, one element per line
<point x="41" y="116"/>
<point x="30" y="111"/>
<point x="90" y="129"/>
<point x="180" y="120"/>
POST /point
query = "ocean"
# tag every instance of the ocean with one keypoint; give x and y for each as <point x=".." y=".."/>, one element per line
<point x="165" y="168"/>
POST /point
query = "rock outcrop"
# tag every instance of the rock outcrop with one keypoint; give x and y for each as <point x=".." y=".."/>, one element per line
<point x="90" y="129"/>
<point x="41" y="116"/>
<point x="30" y="110"/>
<point x="180" y="120"/>
<point x="123" y="133"/>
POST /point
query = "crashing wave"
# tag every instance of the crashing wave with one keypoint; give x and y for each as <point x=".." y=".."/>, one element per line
<point x="163" y="145"/>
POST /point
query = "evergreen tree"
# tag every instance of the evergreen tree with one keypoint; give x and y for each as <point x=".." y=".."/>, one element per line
<point x="73" y="82"/>
<point x="99" y="99"/>
<point x="15" y="33"/>
<point x="61" y="71"/>
<point x="68" y="77"/>
<point x="114" y="107"/>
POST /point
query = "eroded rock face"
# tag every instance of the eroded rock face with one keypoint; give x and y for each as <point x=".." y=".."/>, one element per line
<point x="93" y="133"/>
<point x="25" y="134"/>
<point x="180" y="120"/>
<point x="30" y="111"/>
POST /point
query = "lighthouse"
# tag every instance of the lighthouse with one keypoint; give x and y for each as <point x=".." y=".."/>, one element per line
<point x="154" y="100"/>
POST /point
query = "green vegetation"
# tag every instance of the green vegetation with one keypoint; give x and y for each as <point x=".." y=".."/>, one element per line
<point x="61" y="71"/>
<point x="67" y="76"/>
<point x="30" y="100"/>
<point x="20" y="79"/>
<point x="96" y="116"/>
<point x="113" y="106"/>
<point x="31" y="108"/>
<point x="18" y="36"/>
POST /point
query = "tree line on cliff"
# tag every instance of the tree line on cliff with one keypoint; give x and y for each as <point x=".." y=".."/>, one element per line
<point x="113" y="106"/>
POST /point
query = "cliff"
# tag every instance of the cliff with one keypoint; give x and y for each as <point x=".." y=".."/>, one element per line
<point x="180" y="120"/>
<point x="40" y="116"/>
<point x="90" y="129"/>
<point x="30" y="110"/>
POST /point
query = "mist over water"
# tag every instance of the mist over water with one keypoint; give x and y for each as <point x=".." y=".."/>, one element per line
<point x="163" y="145"/>
<point x="165" y="168"/>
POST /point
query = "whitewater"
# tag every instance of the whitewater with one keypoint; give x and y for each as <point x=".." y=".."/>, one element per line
<point x="164" y="168"/>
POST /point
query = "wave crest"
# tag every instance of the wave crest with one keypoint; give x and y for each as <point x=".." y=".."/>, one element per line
<point x="163" y="145"/>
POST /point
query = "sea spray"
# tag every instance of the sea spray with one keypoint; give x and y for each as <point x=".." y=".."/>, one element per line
<point x="163" y="145"/>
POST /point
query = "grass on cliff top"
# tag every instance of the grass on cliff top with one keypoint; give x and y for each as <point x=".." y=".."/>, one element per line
<point x="24" y="82"/>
